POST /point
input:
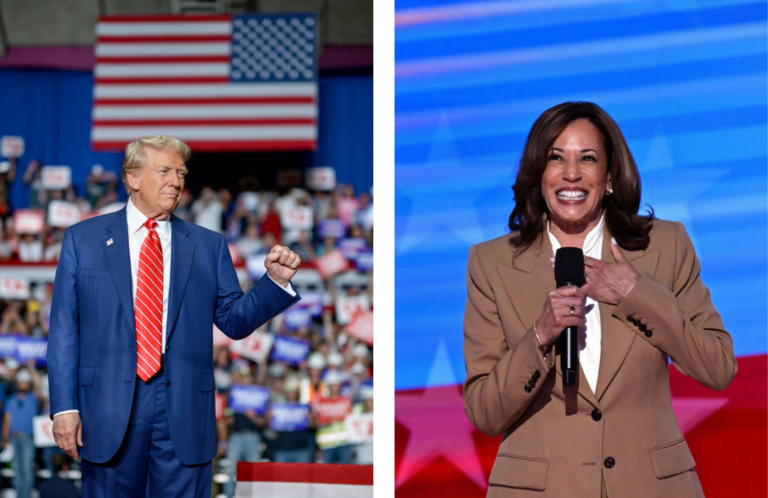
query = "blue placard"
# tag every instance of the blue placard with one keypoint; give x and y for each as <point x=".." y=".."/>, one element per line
<point x="297" y="317"/>
<point x="27" y="347"/>
<point x="364" y="261"/>
<point x="352" y="247"/>
<point x="312" y="301"/>
<point x="243" y="398"/>
<point x="291" y="351"/>
<point x="289" y="417"/>
<point x="8" y="345"/>
<point x="331" y="228"/>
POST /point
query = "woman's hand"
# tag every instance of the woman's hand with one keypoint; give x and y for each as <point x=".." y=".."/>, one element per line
<point x="611" y="282"/>
<point x="557" y="314"/>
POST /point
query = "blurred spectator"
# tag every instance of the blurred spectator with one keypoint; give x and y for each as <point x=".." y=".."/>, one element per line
<point x="55" y="486"/>
<point x="364" y="451"/>
<point x="30" y="248"/>
<point x="251" y="243"/>
<point x="332" y="436"/>
<point x="33" y="178"/>
<point x="98" y="184"/>
<point x="207" y="210"/>
<point x="296" y="445"/>
<point x="303" y="246"/>
<point x="20" y="409"/>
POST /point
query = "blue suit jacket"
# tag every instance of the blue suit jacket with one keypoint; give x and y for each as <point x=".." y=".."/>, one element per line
<point x="92" y="340"/>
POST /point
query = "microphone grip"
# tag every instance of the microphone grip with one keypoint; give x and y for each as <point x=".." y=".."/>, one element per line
<point x="569" y="358"/>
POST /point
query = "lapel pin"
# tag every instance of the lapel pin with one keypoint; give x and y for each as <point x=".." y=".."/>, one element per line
<point x="109" y="242"/>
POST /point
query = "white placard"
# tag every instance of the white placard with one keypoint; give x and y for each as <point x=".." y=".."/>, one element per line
<point x="63" y="214"/>
<point x="56" y="177"/>
<point x="298" y="218"/>
<point x="28" y="220"/>
<point x="361" y="326"/>
<point x="42" y="431"/>
<point x="359" y="427"/>
<point x="14" y="287"/>
<point x="322" y="178"/>
<point x="12" y="146"/>
<point x="347" y="306"/>
<point x="332" y="263"/>
<point x="255" y="347"/>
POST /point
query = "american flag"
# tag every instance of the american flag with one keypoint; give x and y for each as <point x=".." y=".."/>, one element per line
<point x="218" y="82"/>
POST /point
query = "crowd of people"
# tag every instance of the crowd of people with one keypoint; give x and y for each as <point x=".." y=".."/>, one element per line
<point x="283" y="407"/>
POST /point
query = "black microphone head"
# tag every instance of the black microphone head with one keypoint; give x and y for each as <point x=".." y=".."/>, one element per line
<point x="569" y="266"/>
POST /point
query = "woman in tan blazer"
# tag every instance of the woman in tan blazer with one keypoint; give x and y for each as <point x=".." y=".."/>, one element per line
<point x="614" y="433"/>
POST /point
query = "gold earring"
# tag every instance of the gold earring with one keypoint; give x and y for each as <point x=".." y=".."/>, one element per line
<point x="609" y="191"/>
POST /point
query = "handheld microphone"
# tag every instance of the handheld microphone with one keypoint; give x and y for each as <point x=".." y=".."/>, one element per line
<point x="569" y="270"/>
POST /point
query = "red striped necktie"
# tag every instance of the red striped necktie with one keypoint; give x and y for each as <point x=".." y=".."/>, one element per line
<point x="149" y="304"/>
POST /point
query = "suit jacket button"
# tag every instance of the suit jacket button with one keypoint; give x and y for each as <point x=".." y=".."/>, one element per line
<point x="596" y="415"/>
<point x="167" y="383"/>
<point x="648" y="333"/>
<point x="609" y="463"/>
<point x="536" y="375"/>
<point x="528" y="388"/>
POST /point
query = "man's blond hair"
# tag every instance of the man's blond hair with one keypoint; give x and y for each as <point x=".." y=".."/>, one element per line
<point x="136" y="153"/>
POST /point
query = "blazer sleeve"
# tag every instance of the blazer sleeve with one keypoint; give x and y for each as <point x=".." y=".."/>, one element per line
<point x="64" y="333"/>
<point x="682" y="321"/>
<point x="494" y="390"/>
<point x="238" y="314"/>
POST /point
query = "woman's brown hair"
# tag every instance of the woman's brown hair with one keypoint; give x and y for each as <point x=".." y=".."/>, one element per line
<point x="621" y="209"/>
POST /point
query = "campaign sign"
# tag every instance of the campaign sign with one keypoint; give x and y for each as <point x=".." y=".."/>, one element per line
<point x="255" y="266"/>
<point x="328" y="410"/>
<point x="289" y="417"/>
<point x="28" y="220"/>
<point x="220" y="339"/>
<point x="28" y="347"/>
<point x="352" y="247"/>
<point x="42" y="431"/>
<point x="364" y="261"/>
<point x="56" y="177"/>
<point x="14" y="287"/>
<point x="321" y="178"/>
<point x="331" y="228"/>
<point x="244" y="398"/>
<point x="255" y="347"/>
<point x="347" y="306"/>
<point x="297" y="317"/>
<point x="8" y="345"/>
<point x="359" y="427"/>
<point x="291" y="351"/>
<point x="311" y="301"/>
<point x="12" y="146"/>
<point x="298" y="218"/>
<point x="361" y="326"/>
<point x="330" y="264"/>
<point x="63" y="214"/>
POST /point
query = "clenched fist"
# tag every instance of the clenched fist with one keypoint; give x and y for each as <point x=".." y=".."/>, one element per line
<point x="281" y="264"/>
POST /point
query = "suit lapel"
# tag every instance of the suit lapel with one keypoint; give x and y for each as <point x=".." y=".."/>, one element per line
<point x="182" y="253"/>
<point x="617" y="338"/>
<point x="529" y="277"/>
<point x="119" y="260"/>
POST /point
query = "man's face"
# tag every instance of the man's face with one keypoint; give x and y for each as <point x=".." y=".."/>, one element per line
<point x="158" y="185"/>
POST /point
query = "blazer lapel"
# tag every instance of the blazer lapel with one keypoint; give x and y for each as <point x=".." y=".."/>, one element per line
<point x="617" y="338"/>
<point x="527" y="281"/>
<point x="182" y="253"/>
<point x="118" y="258"/>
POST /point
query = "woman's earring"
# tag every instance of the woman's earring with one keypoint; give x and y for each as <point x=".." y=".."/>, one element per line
<point x="609" y="191"/>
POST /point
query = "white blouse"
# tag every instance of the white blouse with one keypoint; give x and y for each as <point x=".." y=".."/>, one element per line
<point x="589" y="335"/>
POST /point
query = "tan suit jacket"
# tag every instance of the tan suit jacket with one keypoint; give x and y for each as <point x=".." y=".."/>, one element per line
<point x="557" y="441"/>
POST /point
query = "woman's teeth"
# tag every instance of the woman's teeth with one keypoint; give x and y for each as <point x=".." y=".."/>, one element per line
<point x="571" y="195"/>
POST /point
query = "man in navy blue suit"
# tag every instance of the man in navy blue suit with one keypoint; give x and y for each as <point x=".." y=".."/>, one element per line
<point x="130" y="354"/>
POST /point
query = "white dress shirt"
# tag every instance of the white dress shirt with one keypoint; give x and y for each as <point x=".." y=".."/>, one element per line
<point x="136" y="234"/>
<point x="590" y="334"/>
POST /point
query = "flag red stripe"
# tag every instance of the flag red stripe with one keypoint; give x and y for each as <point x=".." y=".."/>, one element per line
<point x="164" y="18"/>
<point x="163" y="39"/>
<point x="210" y="100"/>
<point x="162" y="81"/>
<point x="213" y="146"/>
<point x="360" y="475"/>
<point x="207" y="122"/>
<point x="162" y="59"/>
